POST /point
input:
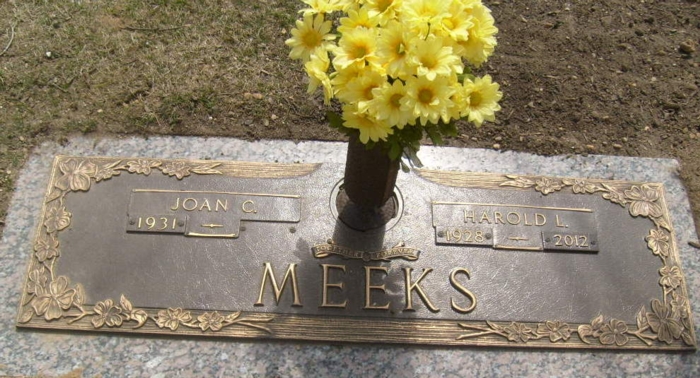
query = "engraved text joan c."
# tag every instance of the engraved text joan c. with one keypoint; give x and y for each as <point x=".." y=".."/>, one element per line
<point x="200" y="204"/>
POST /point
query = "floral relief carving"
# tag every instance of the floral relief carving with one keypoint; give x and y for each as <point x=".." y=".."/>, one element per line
<point x="57" y="219"/>
<point x="176" y="168"/>
<point x="76" y="175"/>
<point x="658" y="242"/>
<point x="556" y="330"/>
<point x="53" y="298"/>
<point x="107" y="313"/>
<point x="643" y="201"/>
<point x="107" y="171"/>
<point x="520" y="333"/>
<point x="46" y="248"/>
<point x="172" y="317"/>
<point x="142" y="166"/>
<point x="614" y="332"/>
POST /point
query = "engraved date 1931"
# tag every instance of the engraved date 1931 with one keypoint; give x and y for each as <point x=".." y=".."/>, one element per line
<point x="156" y="223"/>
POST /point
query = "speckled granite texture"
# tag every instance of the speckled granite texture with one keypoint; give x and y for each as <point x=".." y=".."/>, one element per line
<point x="54" y="354"/>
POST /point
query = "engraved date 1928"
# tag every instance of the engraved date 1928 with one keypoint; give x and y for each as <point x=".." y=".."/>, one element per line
<point x="467" y="236"/>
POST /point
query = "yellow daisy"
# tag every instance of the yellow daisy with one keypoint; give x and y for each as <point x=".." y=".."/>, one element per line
<point x="460" y="101"/>
<point x="392" y="48"/>
<point x="483" y="97"/>
<point x="358" y="46"/>
<point x="357" y="18"/>
<point x="431" y="58"/>
<point x="317" y="68"/>
<point x="341" y="77"/>
<point x="359" y="91"/>
<point x="457" y="23"/>
<point x="386" y="104"/>
<point x="309" y="35"/>
<point x="482" y="36"/>
<point x="325" y="6"/>
<point x="421" y="14"/>
<point x="384" y="10"/>
<point x="370" y="128"/>
<point x="428" y="100"/>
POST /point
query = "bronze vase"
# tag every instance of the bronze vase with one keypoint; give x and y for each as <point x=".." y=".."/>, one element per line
<point x="370" y="175"/>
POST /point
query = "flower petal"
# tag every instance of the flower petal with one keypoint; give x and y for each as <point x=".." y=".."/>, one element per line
<point x="41" y="304"/>
<point x="621" y="340"/>
<point x="98" y="321"/>
<point x="66" y="299"/>
<point x="54" y="311"/>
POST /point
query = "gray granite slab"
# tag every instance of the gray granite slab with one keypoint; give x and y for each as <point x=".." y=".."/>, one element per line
<point x="53" y="354"/>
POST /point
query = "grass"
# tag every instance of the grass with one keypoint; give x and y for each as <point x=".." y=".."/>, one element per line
<point x="158" y="66"/>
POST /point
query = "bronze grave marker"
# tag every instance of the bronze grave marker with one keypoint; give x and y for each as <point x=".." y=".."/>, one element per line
<point x="256" y="250"/>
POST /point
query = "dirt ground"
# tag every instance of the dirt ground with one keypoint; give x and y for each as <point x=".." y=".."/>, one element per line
<point x="618" y="77"/>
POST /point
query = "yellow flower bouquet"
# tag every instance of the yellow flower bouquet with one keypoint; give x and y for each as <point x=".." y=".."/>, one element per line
<point x="397" y="67"/>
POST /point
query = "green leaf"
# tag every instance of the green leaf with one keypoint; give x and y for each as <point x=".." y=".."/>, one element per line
<point x="334" y="120"/>
<point x="395" y="150"/>
<point x="412" y="157"/>
<point x="448" y="129"/>
<point x="412" y="133"/>
<point x="434" y="135"/>
<point x="467" y="75"/>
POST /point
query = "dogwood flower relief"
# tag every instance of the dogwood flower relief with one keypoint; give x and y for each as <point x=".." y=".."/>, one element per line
<point x="401" y="69"/>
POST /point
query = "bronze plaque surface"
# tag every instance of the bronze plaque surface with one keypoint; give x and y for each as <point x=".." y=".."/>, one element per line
<point x="256" y="250"/>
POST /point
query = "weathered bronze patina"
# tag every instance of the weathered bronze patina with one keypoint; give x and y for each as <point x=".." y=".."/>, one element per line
<point x="258" y="250"/>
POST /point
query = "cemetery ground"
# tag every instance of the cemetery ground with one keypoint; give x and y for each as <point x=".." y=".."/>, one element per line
<point x="619" y="77"/>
